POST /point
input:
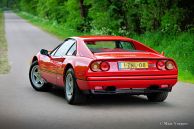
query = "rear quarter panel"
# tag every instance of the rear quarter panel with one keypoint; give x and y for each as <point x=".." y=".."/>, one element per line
<point x="80" y="67"/>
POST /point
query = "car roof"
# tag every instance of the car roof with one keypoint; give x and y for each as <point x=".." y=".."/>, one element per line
<point x="86" y="39"/>
<point x="107" y="37"/>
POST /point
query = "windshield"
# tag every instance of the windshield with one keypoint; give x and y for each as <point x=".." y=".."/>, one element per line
<point x="110" y="46"/>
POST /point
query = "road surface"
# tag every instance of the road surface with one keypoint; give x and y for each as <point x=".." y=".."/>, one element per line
<point x="22" y="107"/>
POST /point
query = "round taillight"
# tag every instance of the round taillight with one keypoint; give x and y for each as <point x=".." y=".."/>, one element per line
<point x="161" y="64"/>
<point x="104" y="66"/>
<point x="95" y="66"/>
<point x="169" y="65"/>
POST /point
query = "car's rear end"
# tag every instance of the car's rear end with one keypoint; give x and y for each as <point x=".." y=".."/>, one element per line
<point x="131" y="75"/>
<point x="115" y="70"/>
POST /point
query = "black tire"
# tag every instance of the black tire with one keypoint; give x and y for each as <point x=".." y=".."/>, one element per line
<point x="43" y="87"/>
<point x="157" y="97"/>
<point x="77" y="96"/>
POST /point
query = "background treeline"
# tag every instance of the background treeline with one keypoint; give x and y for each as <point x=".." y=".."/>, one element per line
<point x="165" y="25"/>
<point x="119" y="17"/>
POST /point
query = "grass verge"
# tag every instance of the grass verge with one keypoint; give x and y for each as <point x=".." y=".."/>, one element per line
<point x="52" y="27"/>
<point x="178" y="46"/>
<point x="4" y="66"/>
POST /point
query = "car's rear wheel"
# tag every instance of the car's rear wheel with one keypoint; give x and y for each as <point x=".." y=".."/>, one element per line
<point x="73" y="94"/>
<point x="37" y="82"/>
<point x="157" y="97"/>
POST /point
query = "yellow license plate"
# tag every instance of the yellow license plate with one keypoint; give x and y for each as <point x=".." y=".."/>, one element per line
<point x="133" y="65"/>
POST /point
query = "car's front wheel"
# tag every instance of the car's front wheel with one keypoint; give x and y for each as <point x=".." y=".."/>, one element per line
<point x="37" y="82"/>
<point x="157" y="97"/>
<point x="73" y="94"/>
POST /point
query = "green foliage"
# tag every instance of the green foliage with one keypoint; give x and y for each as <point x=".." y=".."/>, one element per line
<point x="4" y="66"/>
<point x="103" y="18"/>
<point x="116" y="17"/>
<point x="28" y="5"/>
<point x="151" y="15"/>
<point x="3" y="3"/>
<point x="51" y="26"/>
<point x="170" y="21"/>
<point x="74" y="18"/>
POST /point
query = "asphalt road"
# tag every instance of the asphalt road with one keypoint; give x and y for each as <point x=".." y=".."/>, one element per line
<point x="22" y="107"/>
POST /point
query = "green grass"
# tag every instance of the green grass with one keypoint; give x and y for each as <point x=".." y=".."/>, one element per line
<point x="179" y="46"/>
<point x="186" y="76"/>
<point x="4" y="66"/>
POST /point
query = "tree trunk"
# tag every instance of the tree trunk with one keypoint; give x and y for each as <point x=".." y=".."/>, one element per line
<point x="82" y="8"/>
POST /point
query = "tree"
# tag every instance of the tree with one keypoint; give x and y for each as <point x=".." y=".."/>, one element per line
<point x="119" y="17"/>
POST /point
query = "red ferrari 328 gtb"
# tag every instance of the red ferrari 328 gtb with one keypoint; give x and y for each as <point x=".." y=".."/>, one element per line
<point x="104" y="65"/>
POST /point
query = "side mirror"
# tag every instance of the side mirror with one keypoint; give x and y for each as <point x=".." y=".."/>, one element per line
<point x="44" y="52"/>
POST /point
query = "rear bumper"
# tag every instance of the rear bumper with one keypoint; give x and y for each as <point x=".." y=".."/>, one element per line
<point x="134" y="91"/>
<point x="128" y="82"/>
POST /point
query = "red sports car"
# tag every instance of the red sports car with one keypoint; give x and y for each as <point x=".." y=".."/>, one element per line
<point x="104" y="65"/>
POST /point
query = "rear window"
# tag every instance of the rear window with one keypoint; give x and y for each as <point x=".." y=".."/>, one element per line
<point x="110" y="46"/>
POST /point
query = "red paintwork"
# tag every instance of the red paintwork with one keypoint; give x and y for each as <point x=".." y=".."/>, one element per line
<point x="53" y="68"/>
